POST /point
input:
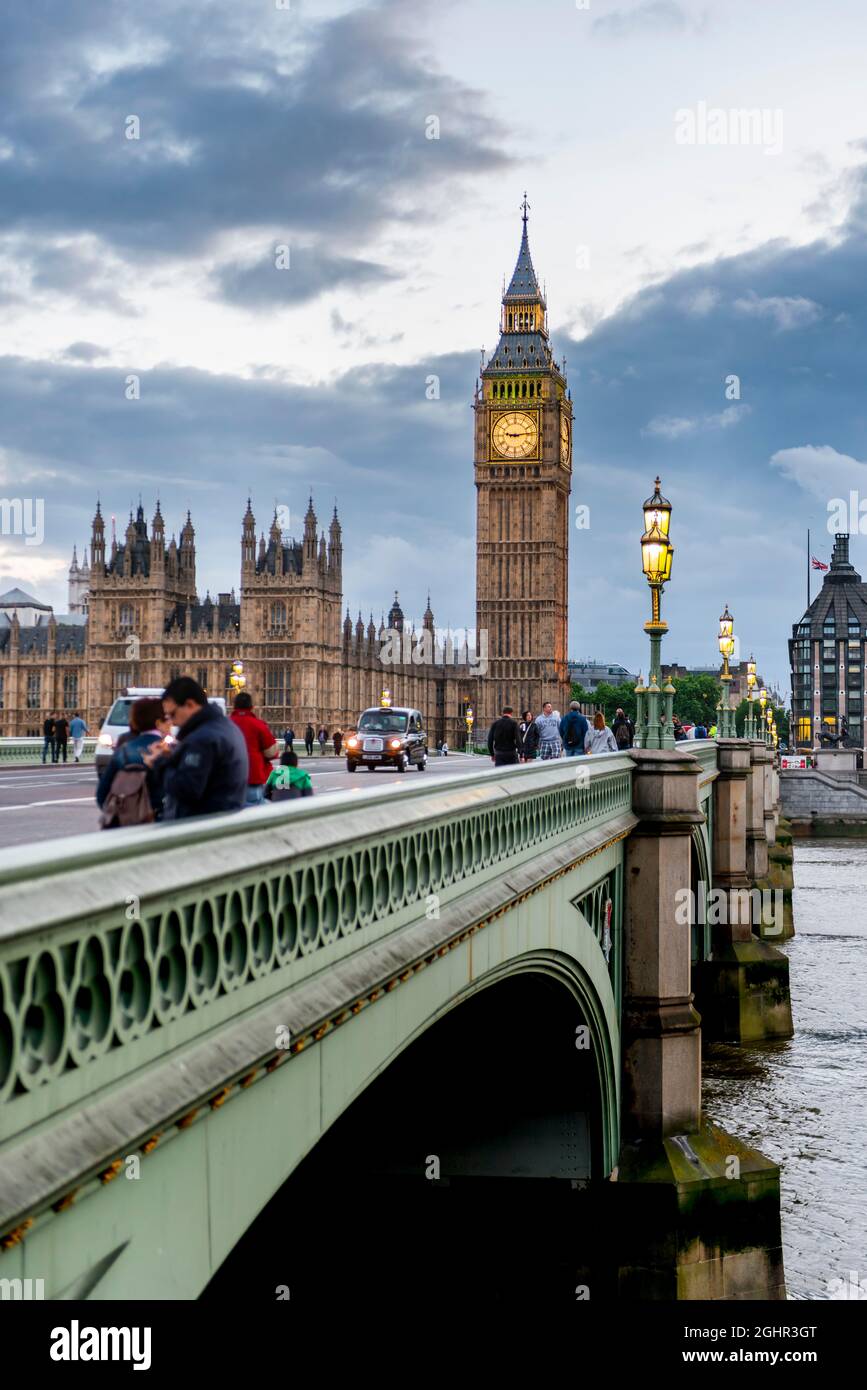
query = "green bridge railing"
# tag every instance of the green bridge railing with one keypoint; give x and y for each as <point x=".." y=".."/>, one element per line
<point x="29" y="750"/>
<point x="117" y="948"/>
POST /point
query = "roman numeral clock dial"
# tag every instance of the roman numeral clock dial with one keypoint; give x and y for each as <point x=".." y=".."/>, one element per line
<point x="515" y="435"/>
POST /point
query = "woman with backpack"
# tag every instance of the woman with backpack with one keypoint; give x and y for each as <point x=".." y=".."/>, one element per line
<point x="599" y="739"/>
<point x="130" y="793"/>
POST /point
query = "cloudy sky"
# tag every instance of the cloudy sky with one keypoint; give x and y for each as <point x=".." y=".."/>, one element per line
<point x="156" y="161"/>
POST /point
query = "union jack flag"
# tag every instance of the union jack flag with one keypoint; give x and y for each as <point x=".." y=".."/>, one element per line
<point x="817" y="564"/>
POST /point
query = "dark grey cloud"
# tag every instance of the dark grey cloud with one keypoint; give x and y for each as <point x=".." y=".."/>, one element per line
<point x="84" y="352"/>
<point x="246" y="121"/>
<point x="650" y="397"/>
<point x="307" y="271"/>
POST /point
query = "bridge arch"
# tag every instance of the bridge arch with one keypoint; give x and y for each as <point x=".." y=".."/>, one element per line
<point x="501" y="1073"/>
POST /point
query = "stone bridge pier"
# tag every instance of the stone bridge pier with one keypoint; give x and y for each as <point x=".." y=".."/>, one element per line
<point x="695" y="1213"/>
<point x="743" y="990"/>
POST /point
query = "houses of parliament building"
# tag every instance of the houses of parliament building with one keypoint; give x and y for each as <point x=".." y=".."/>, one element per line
<point x="135" y="617"/>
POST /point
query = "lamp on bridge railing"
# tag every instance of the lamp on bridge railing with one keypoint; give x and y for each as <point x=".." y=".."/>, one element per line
<point x="750" y="726"/>
<point x="653" y="727"/>
<point x="470" y="719"/>
<point x="726" y="726"/>
<point x="763" y="700"/>
<point x="771" y="725"/>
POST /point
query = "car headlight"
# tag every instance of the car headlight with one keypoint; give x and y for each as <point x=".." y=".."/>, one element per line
<point x="394" y="743"/>
<point x="105" y="741"/>
<point x="352" y="743"/>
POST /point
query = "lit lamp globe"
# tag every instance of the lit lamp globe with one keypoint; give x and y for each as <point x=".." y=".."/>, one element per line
<point x="726" y="633"/>
<point x="763" y="699"/>
<point x="656" y="549"/>
<point x="385" y="699"/>
<point x="751" y="674"/>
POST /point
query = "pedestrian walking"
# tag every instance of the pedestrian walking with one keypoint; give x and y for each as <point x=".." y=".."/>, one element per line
<point x="129" y="792"/>
<point x="309" y="736"/>
<point x="61" y="737"/>
<point x="547" y="725"/>
<point x="699" y="731"/>
<point x="288" y="781"/>
<point x="623" y="730"/>
<point x="322" y="736"/>
<point x="206" y="767"/>
<point x="48" y="738"/>
<point x="529" y="736"/>
<point x="261" y="746"/>
<point x="289" y="739"/>
<point x="679" y="730"/>
<point x="504" y="739"/>
<point x="78" y="731"/>
<point x="337" y="740"/>
<point x="599" y="739"/>
<point x="444" y="749"/>
<point x="712" y="731"/>
<point x="573" y="729"/>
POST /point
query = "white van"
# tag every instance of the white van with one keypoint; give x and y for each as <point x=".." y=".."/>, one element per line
<point x="116" y="721"/>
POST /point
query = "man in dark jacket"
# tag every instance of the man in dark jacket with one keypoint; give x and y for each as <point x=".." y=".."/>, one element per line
<point x="61" y="737"/>
<point x="573" y="727"/>
<point x="48" y="745"/>
<point x="206" y="770"/>
<point x="504" y="739"/>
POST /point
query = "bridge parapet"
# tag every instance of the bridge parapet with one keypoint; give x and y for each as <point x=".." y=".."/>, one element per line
<point x="29" y="750"/>
<point x="119" y="951"/>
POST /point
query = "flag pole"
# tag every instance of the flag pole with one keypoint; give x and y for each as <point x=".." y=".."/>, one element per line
<point x="808" y="567"/>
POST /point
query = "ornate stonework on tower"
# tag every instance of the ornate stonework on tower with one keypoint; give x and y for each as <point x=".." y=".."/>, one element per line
<point x="523" y="475"/>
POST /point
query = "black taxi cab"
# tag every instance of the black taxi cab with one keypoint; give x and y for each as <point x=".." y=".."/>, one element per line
<point x="391" y="737"/>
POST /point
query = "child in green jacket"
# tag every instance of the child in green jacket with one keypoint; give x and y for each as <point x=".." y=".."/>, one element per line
<point x="288" y="781"/>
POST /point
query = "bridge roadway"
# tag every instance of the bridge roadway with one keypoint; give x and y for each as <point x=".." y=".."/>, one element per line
<point x="46" y="803"/>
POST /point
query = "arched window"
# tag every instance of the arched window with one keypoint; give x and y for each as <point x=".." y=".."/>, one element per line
<point x="127" y="615"/>
<point x="278" y="614"/>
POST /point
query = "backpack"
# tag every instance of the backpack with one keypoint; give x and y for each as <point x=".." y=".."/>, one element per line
<point x="622" y="734"/>
<point x="128" y="801"/>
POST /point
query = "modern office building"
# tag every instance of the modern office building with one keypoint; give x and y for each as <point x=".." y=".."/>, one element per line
<point x="826" y="655"/>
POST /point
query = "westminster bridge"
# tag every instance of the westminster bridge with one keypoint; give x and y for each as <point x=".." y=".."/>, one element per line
<point x="488" y="983"/>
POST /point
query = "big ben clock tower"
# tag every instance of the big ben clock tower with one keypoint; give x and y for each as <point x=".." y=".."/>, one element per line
<point x="523" y="474"/>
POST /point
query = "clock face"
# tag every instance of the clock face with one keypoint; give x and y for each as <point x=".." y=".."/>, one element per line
<point x="515" y="435"/>
<point x="564" y="439"/>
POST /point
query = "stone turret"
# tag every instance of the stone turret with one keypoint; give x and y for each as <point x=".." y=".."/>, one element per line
<point x="248" y="542"/>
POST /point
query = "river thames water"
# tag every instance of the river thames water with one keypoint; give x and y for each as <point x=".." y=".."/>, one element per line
<point x="803" y="1103"/>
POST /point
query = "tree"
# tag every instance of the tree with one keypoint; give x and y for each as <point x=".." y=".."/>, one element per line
<point x="696" y="699"/>
<point x="608" y="698"/>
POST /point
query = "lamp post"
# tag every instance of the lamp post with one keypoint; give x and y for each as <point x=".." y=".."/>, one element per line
<point x="237" y="679"/>
<point x="726" y="724"/>
<point x="769" y="737"/>
<point x="385" y="699"/>
<point x="750" y="729"/>
<point x="470" y="721"/>
<point x="763" y="700"/>
<point x="653" y="728"/>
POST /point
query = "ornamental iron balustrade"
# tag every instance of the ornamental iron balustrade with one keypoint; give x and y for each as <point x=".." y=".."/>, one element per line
<point x="116" y="949"/>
